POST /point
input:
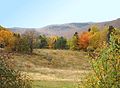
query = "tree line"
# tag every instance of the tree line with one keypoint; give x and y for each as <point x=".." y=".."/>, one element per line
<point x="89" y="40"/>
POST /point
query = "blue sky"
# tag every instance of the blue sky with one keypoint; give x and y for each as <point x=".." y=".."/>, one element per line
<point x="39" y="13"/>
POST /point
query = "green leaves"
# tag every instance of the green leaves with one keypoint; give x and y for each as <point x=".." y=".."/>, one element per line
<point x="106" y="66"/>
<point x="60" y="43"/>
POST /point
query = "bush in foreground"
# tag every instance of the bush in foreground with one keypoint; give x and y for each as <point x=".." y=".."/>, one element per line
<point x="10" y="78"/>
<point x="106" y="66"/>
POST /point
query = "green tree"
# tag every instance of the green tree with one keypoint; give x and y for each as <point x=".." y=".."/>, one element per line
<point x="73" y="43"/>
<point x="60" y="43"/>
<point x="41" y="42"/>
<point x="21" y="44"/>
<point x="30" y="38"/>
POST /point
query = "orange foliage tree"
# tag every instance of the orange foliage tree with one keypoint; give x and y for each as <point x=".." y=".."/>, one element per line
<point x="84" y="39"/>
<point x="6" y="38"/>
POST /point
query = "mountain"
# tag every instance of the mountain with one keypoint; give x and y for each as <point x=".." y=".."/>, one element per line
<point x="20" y="30"/>
<point x="67" y="30"/>
<point x="115" y="23"/>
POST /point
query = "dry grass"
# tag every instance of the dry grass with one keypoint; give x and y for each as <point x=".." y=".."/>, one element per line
<point x="58" y="75"/>
<point x="58" y="59"/>
<point x="60" y="68"/>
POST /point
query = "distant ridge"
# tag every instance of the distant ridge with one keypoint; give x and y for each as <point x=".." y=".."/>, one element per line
<point x="67" y="30"/>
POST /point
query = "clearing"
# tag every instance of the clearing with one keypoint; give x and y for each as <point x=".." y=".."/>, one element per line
<point x="54" y="68"/>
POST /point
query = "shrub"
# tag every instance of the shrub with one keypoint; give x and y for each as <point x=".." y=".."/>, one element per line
<point x="10" y="78"/>
<point x="106" y="66"/>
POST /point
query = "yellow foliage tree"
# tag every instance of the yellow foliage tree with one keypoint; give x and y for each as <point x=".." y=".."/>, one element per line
<point x="94" y="38"/>
<point x="51" y="41"/>
<point x="98" y="38"/>
<point x="6" y="38"/>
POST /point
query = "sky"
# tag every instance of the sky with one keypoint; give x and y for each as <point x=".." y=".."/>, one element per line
<point x="39" y="13"/>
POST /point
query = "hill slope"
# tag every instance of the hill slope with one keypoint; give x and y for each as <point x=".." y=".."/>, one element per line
<point x="67" y="30"/>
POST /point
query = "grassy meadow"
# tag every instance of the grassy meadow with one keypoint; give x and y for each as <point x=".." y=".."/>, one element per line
<point x="54" y="68"/>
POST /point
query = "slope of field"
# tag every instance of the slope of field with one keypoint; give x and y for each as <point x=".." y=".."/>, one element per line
<point x="63" y="68"/>
<point x="61" y="59"/>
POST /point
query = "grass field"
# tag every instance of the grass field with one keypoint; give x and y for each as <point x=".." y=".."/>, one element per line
<point x="54" y="84"/>
<point x="54" y="68"/>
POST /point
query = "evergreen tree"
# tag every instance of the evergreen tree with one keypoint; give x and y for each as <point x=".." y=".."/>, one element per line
<point x="60" y="43"/>
<point x="42" y="41"/>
